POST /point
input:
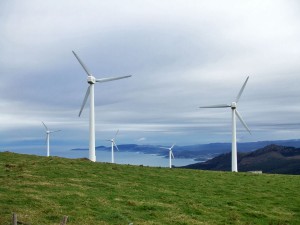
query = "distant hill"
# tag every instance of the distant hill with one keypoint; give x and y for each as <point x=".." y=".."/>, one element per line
<point x="200" y="152"/>
<point x="270" y="159"/>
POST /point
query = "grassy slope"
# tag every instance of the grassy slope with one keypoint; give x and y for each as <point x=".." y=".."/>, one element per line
<point x="41" y="190"/>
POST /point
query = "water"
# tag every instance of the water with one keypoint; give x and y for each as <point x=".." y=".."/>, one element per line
<point x="132" y="158"/>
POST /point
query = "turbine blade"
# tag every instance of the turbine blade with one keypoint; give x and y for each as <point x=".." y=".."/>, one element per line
<point x="116" y="145"/>
<point x="216" y="106"/>
<point x="172" y="155"/>
<point x="242" y="121"/>
<point x="82" y="64"/>
<point x="116" y="134"/>
<point x="172" y="146"/>
<point x="241" y="91"/>
<point x="45" y="126"/>
<point x="84" y="101"/>
<point x="54" y="131"/>
<point x="47" y="138"/>
<point x="111" y="78"/>
<point x="164" y="148"/>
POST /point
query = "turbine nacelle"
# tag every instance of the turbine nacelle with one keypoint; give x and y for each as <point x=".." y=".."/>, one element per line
<point x="91" y="79"/>
<point x="233" y="105"/>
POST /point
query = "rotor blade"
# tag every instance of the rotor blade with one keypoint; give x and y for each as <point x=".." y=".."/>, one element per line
<point x="45" y="126"/>
<point x="54" y="131"/>
<point x="216" y="106"/>
<point x="241" y="91"/>
<point x="84" y="101"/>
<point x="116" y="134"/>
<point x="82" y="64"/>
<point x="242" y="121"/>
<point x="47" y="138"/>
<point x="172" y="155"/>
<point x="111" y="78"/>
<point x="165" y="148"/>
<point x="172" y="146"/>
<point x="116" y="145"/>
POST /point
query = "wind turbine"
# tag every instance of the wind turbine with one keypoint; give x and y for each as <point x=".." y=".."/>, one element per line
<point x="170" y="154"/>
<point x="48" y="132"/>
<point x="233" y="107"/>
<point x="113" y="143"/>
<point x="90" y="91"/>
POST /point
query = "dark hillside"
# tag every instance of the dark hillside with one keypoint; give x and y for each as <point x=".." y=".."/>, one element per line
<point x="270" y="159"/>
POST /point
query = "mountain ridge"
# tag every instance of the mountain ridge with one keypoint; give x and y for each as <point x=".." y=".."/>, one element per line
<point x="199" y="152"/>
<point x="269" y="159"/>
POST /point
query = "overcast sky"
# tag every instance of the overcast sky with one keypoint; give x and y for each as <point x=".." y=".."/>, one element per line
<point x="182" y="55"/>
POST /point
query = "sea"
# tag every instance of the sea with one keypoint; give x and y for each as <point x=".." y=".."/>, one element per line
<point x="131" y="158"/>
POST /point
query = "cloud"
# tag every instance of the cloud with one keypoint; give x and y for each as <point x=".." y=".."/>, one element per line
<point x="182" y="55"/>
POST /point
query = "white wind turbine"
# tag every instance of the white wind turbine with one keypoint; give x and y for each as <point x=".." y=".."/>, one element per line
<point x="113" y="143"/>
<point x="170" y="154"/>
<point x="233" y="107"/>
<point x="48" y="132"/>
<point x="90" y="91"/>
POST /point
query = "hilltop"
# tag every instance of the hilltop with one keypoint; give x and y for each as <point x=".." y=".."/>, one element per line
<point x="41" y="190"/>
<point x="270" y="159"/>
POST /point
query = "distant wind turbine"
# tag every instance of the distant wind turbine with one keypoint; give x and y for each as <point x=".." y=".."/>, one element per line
<point x="90" y="91"/>
<point x="233" y="107"/>
<point x="170" y="154"/>
<point x="113" y="143"/>
<point x="48" y="132"/>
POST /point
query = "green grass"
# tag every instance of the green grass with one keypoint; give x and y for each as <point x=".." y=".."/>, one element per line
<point x="41" y="190"/>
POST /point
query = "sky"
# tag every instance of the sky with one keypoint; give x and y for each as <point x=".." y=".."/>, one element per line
<point x="181" y="55"/>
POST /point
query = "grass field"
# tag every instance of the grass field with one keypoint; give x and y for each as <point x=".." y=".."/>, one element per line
<point x="41" y="190"/>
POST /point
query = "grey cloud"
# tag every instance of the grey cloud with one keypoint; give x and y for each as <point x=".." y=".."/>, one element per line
<point x="181" y="56"/>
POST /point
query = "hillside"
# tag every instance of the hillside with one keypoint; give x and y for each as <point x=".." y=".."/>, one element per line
<point x="270" y="159"/>
<point x="41" y="190"/>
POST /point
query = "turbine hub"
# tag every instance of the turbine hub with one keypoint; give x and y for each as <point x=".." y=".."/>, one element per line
<point x="233" y="105"/>
<point x="91" y="79"/>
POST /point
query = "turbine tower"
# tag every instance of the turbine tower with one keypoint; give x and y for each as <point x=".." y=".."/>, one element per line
<point x="233" y="107"/>
<point x="113" y="143"/>
<point x="48" y="132"/>
<point x="170" y="154"/>
<point x="90" y="91"/>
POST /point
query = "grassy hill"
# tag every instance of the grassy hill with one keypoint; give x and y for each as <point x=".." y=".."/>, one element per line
<point x="41" y="190"/>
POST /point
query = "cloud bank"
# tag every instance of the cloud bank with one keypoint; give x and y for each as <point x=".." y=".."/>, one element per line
<point x="182" y="55"/>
